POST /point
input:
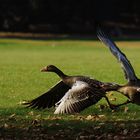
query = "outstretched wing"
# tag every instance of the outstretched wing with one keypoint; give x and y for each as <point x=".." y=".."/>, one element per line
<point x="79" y="97"/>
<point x="50" y="98"/>
<point x="126" y="66"/>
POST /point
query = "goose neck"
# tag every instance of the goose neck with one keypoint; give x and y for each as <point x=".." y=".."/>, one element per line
<point x="60" y="74"/>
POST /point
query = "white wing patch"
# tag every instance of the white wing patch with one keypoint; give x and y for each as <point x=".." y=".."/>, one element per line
<point x="64" y="105"/>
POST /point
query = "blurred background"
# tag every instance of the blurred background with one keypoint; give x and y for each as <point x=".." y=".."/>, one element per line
<point x="119" y="17"/>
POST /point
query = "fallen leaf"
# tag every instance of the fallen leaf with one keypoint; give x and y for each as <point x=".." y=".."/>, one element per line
<point x="136" y="130"/>
<point x="97" y="127"/>
<point x="101" y="116"/>
<point x="110" y="94"/>
<point x="22" y="102"/>
<point x="113" y="99"/>
<point x="125" y="132"/>
<point x="126" y="109"/>
<point x="6" y="125"/>
<point x="31" y="113"/>
<point x="12" y="116"/>
<point x="35" y="122"/>
<point x="38" y="116"/>
<point x="89" y="117"/>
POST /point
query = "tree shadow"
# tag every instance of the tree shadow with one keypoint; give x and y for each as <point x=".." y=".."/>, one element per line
<point x="22" y="123"/>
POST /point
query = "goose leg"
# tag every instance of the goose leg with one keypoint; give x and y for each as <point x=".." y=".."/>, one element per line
<point x="110" y="105"/>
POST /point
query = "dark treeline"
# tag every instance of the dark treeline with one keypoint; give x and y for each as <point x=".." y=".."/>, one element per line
<point x="69" y="16"/>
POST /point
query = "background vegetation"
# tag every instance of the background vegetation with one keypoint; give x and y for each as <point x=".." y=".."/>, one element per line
<point x="74" y="17"/>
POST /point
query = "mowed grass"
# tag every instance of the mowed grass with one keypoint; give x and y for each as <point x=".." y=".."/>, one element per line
<point x="21" y="79"/>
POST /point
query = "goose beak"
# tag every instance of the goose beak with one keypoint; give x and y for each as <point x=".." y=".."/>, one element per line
<point x="44" y="69"/>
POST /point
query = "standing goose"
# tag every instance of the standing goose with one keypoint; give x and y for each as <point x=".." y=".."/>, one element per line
<point x="132" y="88"/>
<point x="72" y="94"/>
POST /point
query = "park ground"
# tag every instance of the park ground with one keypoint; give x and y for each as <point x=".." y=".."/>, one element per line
<point x="21" y="79"/>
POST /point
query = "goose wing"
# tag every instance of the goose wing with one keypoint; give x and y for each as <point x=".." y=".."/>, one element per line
<point x="126" y="66"/>
<point x="50" y="98"/>
<point x="79" y="97"/>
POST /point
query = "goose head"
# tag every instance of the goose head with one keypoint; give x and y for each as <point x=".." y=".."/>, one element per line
<point x="49" y="68"/>
<point x="52" y="68"/>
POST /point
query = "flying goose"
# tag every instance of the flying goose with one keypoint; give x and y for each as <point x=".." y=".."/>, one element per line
<point x="72" y="94"/>
<point x="132" y="88"/>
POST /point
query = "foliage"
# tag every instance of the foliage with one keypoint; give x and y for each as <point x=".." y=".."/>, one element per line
<point x="69" y="16"/>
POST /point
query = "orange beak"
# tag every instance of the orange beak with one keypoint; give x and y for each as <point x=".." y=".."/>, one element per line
<point x="44" y="69"/>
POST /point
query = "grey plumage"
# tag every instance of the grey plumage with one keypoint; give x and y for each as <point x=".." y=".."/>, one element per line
<point x="71" y="95"/>
<point x="126" y="65"/>
<point x="131" y="89"/>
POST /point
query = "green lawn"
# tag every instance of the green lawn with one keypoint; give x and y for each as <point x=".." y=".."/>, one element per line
<point x="21" y="79"/>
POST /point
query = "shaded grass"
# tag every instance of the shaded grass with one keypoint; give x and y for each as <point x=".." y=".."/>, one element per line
<point x="20" y="79"/>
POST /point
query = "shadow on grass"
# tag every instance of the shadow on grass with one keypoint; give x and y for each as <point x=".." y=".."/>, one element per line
<point x="22" y="123"/>
<point x="72" y="129"/>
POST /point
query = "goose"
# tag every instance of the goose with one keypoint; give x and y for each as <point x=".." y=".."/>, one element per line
<point x="132" y="88"/>
<point x="72" y="94"/>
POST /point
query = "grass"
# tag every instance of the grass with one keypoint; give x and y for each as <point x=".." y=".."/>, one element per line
<point x="21" y="79"/>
